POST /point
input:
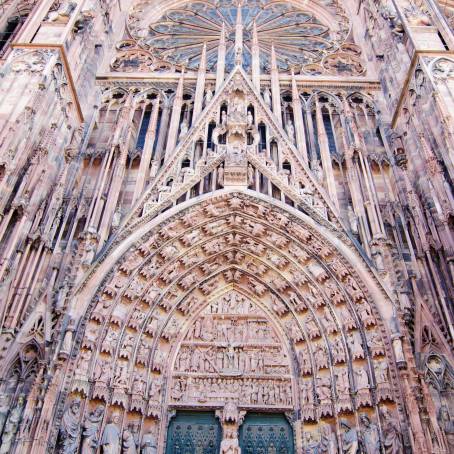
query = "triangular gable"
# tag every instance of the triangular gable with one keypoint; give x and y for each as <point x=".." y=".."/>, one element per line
<point x="170" y="168"/>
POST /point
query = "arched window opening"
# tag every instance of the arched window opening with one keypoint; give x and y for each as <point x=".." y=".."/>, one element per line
<point x="262" y="132"/>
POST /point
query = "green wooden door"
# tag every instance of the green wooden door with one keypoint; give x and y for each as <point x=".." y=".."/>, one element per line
<point x="194" y="433"/>
<point x="263" y="433"/>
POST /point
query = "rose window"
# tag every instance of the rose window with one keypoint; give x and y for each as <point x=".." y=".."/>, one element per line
<point x="298" y="36"/>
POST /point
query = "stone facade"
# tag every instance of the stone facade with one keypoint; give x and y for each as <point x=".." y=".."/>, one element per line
<point x="236" y="207"/>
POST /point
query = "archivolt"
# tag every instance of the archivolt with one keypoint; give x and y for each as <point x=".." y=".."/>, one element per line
<point x="129" y="336"/>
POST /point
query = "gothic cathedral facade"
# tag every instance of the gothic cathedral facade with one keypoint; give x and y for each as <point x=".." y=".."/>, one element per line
<point x="226" y="226"/>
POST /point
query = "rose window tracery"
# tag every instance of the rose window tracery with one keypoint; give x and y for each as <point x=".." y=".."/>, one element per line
<point x="298" y="36"/>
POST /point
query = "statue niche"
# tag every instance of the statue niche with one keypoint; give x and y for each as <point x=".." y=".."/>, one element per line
<point x="232" y="352"/>
<point x="235" y="134"/>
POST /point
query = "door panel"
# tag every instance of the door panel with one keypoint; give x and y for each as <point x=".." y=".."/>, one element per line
<point x="266" y="434"/>
<point x="193" y="433"/>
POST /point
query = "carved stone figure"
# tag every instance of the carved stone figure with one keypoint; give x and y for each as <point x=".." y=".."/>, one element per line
<point x="328" y="440"/>
<point x="110" y="440"/>
<point x="128" y="444"/>
<point x="267" y="97"/>
<point x="149" y="445"/>
<point x="370" y="435"/>
<point x="184" y="128"/>
<point x="356" y="347"/>
<point x="391" y="434"/>
<point x="4" y="408"/>
<point x="311" y="445"/>
<point x="447" y="425"/>
<point x="90" y="429"/>
<point x="12" y="426"/>
<point x="230" y="444"/>
<point x="349" y="438"/>
<point x="70" y="429"/>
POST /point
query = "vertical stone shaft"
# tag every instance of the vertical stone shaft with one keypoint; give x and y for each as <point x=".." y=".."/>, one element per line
<point x="298" y="119"/>
<point x="147" y="151"/>
<point x="325" y="155"/>
<point x="220" y="70"/>
<point x="275" y="87"/>
<point x="200" y="87"/>
<point x="175" y="118"/>
<point x="255" y="58"/>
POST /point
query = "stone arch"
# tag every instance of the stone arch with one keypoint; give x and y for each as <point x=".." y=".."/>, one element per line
<point x="331" y="312"/>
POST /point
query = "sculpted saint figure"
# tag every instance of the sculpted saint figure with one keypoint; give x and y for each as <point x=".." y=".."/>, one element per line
<point x="267" y="97"/>
<point x="391" y="434"/>
<point x="447" y="425"/>
<point x="370" y="436"/>
<point x="90" y="430"/>
<point x="229" y="444"/>
<point x="311" y="445"/>
<point x="70" y="429"/>
<point x="110" y="440"/>
<point x="349" y="438"/>
<point x="328" y="440"/>
<point x="4" y="407"/>
<point x="129" y="444"/>
<point x="12" y="425"/>
<point x="149" y="445"/>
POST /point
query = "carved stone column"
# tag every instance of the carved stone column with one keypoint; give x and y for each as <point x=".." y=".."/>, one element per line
<point x="175" y="118"/>
<point x="200" y="88"/>
<point x="221" y="59"/>
<point x="298" y="118"/>
<point x="147" y="151"/>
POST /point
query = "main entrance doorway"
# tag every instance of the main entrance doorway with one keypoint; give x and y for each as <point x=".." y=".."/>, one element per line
<point x="194" y="433"/>
<point x="263" y="433"/>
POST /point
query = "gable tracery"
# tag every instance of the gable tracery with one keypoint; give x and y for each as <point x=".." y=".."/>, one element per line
<point x="232" y="262"/>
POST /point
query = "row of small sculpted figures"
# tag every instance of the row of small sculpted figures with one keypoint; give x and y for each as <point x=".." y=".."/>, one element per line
<point x="367" y="439"/>
<point x="87" y="436"/>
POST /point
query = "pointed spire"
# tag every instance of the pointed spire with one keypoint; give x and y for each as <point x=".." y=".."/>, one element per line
<point x="239" y="35"/>
<point x="200" y="87"/>
<point x="298" y="119"/>
<point x="221" y="59"/>
<point x="255" y="58"/>
<point x="275" y="87"/>
<point x="175" y="118"/>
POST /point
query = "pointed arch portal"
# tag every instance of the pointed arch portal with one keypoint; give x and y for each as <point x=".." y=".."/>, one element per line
<point x="235" y="301"/>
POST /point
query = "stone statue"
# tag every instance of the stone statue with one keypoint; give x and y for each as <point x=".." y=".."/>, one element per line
<point x="290" y="130"/>
<point x="229" y="444"/>
<point x="447" y="425"/>
<point x="362" y="379"/>
<point x="391" y="434"/>
<point x="349" y="438"/>
<point x="12" y="425"/>
<point x="129" y="444"/>
<point x="221" y="175"/>
<point x="311" y="445"/>
<point x="328" y="440"/>
<point x="250" y="119"/>
<point x="110" y="440"/>
<point x="267" y="97"/>
<point x="208" y="96"/>
<point x="352" y="219"/>
<point x="4" y="408"/>
<point x="149" y="445"/>
<point x="370" y="436"/>
<point x="90" y="429"/>
<point x="184" y="128"/>
<point x="250" y="175"/>
<point x="70" y="429"/>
